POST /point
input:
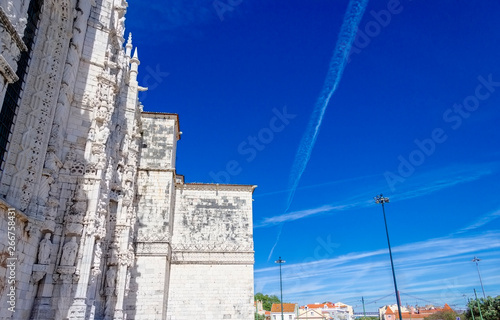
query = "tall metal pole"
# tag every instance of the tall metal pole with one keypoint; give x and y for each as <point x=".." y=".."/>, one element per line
<point x="364" y="312"/>
<point x="471" y="311"/>
<point x="476" y="260"/>
<point x="478" y="305"/>
<point x="382" y="200"/>
<point x="280" y="261"/>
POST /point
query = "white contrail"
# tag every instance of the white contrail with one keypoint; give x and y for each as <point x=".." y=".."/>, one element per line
<point x="352" y="18"/>
<point x="339" y="59"/>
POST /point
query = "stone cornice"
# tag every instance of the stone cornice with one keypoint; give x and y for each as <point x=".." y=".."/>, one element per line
<point x="12" y="31"/>
<point x="153" y="249"/>
<point x="200" y="257"/>
<point x="215" y="187"/>
<point x="156" y="169"/>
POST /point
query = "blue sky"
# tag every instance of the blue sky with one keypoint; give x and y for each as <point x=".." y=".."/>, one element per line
<point x="414" y="116"/>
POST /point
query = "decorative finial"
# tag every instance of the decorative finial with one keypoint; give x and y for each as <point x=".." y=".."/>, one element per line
<point x="128" y="46"/>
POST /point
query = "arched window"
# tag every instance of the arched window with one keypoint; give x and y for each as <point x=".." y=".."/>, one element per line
<point x="14" y="90"/>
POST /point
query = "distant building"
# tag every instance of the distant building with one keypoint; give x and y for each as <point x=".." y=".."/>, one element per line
<point x="413" y="313"/>
<point x="331" y="310"/>
<point x="312" y="314"/>
<point x="290" y="311"/>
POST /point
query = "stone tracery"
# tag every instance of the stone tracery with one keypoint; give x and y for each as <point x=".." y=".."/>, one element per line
<point x="94" y="177"/>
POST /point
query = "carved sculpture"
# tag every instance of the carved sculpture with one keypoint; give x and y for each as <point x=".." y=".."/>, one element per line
<point x="110" y="277"/>
<point x="44" y="250"/>
<point x="69" y="253"/>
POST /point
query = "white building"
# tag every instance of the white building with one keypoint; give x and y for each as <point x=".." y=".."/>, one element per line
<point x="290" y="311"/>
<point x="329" y="310"/>
<point x="95" y="222"/>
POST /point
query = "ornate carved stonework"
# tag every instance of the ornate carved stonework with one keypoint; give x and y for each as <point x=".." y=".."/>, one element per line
<point x="106" y="224"/>
<point x="38" y="111"/>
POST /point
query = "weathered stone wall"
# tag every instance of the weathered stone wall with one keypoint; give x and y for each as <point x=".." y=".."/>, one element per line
<point x="147" y="299"/>
<point x="160" y="132"/>
<point x="211" y="291"/>
<point x="212" y="259"/>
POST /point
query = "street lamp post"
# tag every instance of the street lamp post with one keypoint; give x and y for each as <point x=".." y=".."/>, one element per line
<point x="476" y="260"/>
<point x="382" y="200"/>
<point x="478" y="305"/>
<point x="280" y="262"/>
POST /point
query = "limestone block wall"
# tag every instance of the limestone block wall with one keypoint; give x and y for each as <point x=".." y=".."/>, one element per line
<point x="212" y="259"/>
<point x="213" y="217"/>
<point x="155" y="200"/>
<point x="211" y="291"/>
<point x="147" y="299"/>
<point x="156" y="177"/>
<point x="159" y="140"/>
<point x="149" y="279"/>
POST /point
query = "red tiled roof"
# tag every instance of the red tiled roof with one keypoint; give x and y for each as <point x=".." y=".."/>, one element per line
<point x="287" y="307"/>
<point x="319" y="305"/>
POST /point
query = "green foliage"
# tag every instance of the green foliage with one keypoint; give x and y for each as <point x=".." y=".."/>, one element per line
<point x="267" y="301"/>
<point x="259" y="316"/>
<point x="442" y="315"/>
<point x="490" y="309"/>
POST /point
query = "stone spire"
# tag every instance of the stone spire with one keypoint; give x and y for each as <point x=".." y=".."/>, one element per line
<point x="128" y="46"/>
<point x="134" y="66"/>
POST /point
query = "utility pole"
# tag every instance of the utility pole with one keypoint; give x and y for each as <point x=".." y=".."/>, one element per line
<point x="364" y="312"/>
<point x="478" y="305"/>
<point x="471" y="311"/>
<point x="280" y="262"/>
<point x="476" y="260"/>
<point x="382" y="200"/>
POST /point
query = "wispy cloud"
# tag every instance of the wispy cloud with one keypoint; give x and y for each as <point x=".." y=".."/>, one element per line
<point x="436" y="270"/>
<point x="487" y="218"/>
<point x="348" y="30"/>
<point x="291" y="216"/>
<point x="420" y="185"/>
<point x="437" y="180"/>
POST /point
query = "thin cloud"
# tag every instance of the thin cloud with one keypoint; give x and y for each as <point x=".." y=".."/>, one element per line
<point x="422" y="185"/>
<point x="442" y="180"/>
<point x="352" y="17"/>
<point x="348" y="30"/>
<point x="487" y="218"/>
<point x="436" y="270"/>
<point x="296" y="215"/>
<point x="319" y="185"/>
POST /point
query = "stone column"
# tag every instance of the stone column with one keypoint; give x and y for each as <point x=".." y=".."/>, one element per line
<point x="78" y="308"/>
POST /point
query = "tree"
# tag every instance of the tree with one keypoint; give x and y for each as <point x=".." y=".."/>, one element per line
<point x="267" y="301"/>
<point x="259" y="316"/>
<point x="490" y="309"/>
<point x="442" y="315"/>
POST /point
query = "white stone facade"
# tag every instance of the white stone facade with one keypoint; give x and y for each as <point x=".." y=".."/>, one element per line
<point x="95" y="222"/>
